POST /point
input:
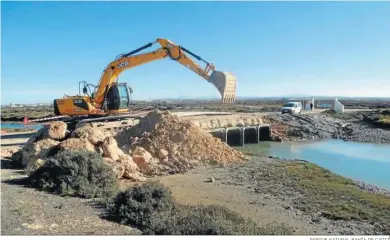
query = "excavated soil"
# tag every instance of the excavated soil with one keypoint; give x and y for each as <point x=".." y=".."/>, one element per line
<point x="160" y="144"/>
<point x="179" y="145"/>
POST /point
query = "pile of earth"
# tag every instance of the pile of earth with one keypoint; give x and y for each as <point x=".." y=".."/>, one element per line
<point x="161" y="143"/>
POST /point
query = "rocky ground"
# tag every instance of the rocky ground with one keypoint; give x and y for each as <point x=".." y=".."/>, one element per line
<point x="348" y="126"/>
<point x="26" y="211"/>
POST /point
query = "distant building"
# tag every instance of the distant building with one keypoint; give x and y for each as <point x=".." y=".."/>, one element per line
<point x="16" y="105"/>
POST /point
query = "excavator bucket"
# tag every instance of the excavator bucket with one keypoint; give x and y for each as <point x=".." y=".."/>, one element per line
<point x="225" y="82"/>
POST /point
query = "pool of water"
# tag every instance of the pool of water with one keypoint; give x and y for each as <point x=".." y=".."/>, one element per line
<point x="5" y="126"/>
<point x="360" y="161"/>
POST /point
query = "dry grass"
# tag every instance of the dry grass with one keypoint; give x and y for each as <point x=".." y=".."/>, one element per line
<point x="17" y="114"/>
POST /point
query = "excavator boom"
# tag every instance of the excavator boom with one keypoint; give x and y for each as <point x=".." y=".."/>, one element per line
<point x="225" y="82"/>
<point x="111" y="97"/>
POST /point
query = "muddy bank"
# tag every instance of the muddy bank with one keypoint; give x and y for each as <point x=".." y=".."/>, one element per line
<point x="331" y="204"/>
<point x="348" y="126"/>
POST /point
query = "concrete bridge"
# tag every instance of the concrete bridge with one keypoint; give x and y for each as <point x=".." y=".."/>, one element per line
<point x="239" y="136"/>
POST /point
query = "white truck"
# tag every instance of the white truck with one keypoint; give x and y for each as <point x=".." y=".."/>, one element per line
<point x="292" y="107"/>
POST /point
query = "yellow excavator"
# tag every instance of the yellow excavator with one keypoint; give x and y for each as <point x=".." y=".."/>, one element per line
<point x="113" y="97"/>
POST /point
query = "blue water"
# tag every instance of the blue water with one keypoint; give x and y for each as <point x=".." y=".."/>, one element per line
<point x="360" y="161"/>
<point x="5" y="126"/>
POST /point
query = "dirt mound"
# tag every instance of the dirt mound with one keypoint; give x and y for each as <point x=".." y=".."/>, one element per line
<point x="182" y="144"/>
<point x="161" y="143"/>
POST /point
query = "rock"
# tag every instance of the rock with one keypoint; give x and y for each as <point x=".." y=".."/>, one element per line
<point x="178" y="137"/>
<point x="120" y="152"/>
<point x="40" y="149"/>
<point x="128" y="163"/>
<point x="141" y="162"/>
<point x="34" y="164"/>
<point x="116" y="167"/>
<point x="141" y="152"/>
<point x="9" y="151"/>
<point x="288" y="207"/>
<point x="162" y="154"/>
<point x="99" y="150"/>
<point x="316" y="219"/>
<point x="211" y="179"/>
<point x="133" y="140"/>
<point x="277" y="139"/>
<point x="135" y="176"/>
<point x="74" y="144"/>
<point x="55" y="130"/>
<point x="240" y="123"/>
<point x="110" y="148"/>
<point x="94" y="135"/>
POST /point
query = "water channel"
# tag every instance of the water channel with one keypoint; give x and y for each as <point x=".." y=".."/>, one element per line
<point x="367" y="162"/>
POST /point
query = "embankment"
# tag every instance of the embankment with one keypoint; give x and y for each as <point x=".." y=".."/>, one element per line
<point x="355" y="127"/>
<point x="328" y="202"/>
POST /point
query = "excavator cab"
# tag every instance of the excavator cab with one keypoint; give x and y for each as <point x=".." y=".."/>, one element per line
<point x="118" y="97"/>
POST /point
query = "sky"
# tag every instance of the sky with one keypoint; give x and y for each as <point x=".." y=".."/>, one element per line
<point x="273" y="48"/>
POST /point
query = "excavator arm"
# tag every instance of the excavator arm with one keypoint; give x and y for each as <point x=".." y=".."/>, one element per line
<point x="225" y="82"/>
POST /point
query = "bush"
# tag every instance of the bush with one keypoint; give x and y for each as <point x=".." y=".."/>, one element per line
<point x="202" y="220"/>
<point x="75" y="173"/>
<point x="137" y="206"/>
<point x="152" y="209"/>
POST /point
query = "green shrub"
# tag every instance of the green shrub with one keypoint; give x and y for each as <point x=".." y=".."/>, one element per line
<point x="137" y="206"/>
<point x="208" y="220"/>
<point x="152" y="209"/>
<point x="75" y="173"/>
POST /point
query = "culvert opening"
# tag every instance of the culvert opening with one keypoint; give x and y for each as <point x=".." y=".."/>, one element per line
<point x="250" y="135"/>
<point x="264" y="133"/>
<point x="234" y="137"/>
<point x="218" y="134"/>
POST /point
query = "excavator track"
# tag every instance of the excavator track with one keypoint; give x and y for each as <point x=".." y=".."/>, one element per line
<point x="116" y="121"/>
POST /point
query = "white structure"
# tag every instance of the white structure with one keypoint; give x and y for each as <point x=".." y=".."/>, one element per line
<point x="307" y="106"/>
<point x="337" y="106"/>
